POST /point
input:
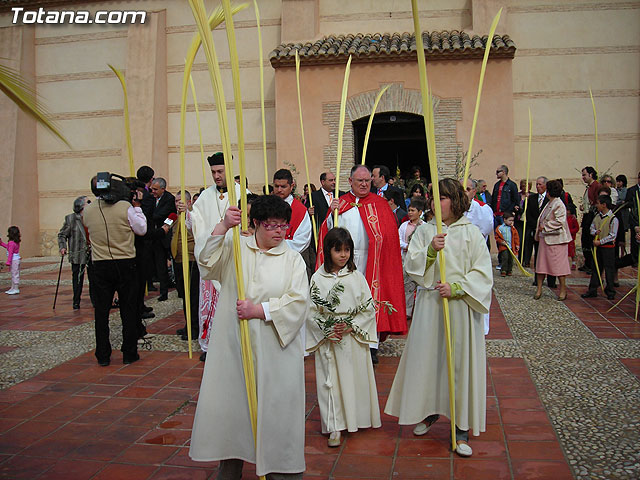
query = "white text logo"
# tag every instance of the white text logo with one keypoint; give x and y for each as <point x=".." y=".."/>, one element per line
<point x="56" y="17"/>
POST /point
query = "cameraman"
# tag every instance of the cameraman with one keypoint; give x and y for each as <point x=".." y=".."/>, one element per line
<point x="112" y="222"/>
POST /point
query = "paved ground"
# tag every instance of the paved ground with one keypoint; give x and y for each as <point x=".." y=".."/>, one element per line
<point x="563" y="395"/>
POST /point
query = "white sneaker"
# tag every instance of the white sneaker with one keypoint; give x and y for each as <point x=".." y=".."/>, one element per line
<point x="334" y="439"/>
<point x="13" y="291"/>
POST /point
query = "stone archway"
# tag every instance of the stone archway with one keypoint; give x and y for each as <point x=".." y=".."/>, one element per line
<point x="447" y="112"/>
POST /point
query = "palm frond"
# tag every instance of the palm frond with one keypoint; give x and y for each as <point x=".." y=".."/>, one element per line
<point x="24" y="96"/>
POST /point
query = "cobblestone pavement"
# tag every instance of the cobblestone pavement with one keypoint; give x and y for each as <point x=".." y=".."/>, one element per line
<point x="563" y="394"/>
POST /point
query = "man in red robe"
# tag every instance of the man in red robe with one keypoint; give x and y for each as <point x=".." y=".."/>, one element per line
<point x="373" y="228"/>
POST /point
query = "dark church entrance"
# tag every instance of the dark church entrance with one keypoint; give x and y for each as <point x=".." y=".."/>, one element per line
<point x="397" y="140"/>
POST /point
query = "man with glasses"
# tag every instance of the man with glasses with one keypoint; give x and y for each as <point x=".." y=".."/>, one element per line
<point x="372" y="225"/>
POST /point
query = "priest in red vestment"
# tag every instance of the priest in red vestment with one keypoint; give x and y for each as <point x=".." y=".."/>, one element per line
<point x="373" y="228"/>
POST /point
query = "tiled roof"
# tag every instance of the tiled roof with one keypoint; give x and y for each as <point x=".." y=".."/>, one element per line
<point x="387" y="47"/>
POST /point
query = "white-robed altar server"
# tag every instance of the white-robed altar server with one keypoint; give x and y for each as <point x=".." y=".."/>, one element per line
<point x="277" y="292"/>
<point x="205" y="215"/>
<point x="340" y="327"/>
<point x="420" y="388"/>
<point x="481" y="215"/>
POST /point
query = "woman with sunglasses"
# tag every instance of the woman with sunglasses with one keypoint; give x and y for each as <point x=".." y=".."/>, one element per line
<point x="276" y="305"/>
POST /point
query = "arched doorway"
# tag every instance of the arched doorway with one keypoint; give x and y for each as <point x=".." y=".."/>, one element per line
<point x="397" y="140"/>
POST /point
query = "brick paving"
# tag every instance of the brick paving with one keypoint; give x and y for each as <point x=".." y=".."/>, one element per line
<point x="76" y="420"/>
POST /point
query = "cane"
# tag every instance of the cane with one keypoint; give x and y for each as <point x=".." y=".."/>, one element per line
<point x="58" y="284"/>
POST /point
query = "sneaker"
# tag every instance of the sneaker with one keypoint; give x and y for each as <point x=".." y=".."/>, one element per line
<point x="13" y="291"/>
<point x="498" y="267"/>
<point x="423" y="427"/>
<point x="334" y="439"/>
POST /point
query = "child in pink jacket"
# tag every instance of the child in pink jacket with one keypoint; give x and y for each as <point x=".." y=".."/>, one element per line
<point x="13" y="258"/>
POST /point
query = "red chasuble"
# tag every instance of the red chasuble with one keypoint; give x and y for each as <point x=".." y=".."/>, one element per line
<point x="384" y="263"/>
<point x="298" y="211"/>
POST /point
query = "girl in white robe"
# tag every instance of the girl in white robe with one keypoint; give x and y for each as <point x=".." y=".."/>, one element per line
<point x="340" y="327"/>
<point x="277" y="293"/>
<point x="420" y="388"/>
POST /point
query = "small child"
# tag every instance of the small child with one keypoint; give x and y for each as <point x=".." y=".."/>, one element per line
<point x="604" y="229"/>
<point x="574" y="226"/>
<point x="340" y="326"/>
<point x="13" y="258"/>
<point x="414" y="212"/>
<point x="506" y="234"/>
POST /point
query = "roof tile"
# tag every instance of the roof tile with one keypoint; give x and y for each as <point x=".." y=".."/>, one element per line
<point x="385" y="47"/>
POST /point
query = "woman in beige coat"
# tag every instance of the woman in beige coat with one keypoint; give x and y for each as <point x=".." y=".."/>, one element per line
<point x="553" y="234"/>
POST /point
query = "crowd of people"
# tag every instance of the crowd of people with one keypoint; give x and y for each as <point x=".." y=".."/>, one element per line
<point x="334" y="276"/>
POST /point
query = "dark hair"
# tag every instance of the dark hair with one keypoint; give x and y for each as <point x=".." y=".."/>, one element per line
<point x="605" y="199"/>
<point x="419" y="203"/>
<point x="251" y="198"/>
<point x="415" y="169"/>
<point x="451" y="189"/>
<point x="604" y="190"/>
<point x="561" y="182"/>
<point x="623" y="179"/>
<point x="591" y="171"/>
<point x="145" y="173"/>
<point x="337" y="238"/>
<point x="267" y="189"/>
<point x="384" y="172"/>
<point x="554" y="189"/>
<point x="283" y="174"/>
<point x="417" y="186"/>
<point x="269" y="206"/>
<point x="508" y="215"/>
<point x="14" y="234"/>
<point x="396" y="195"/>
<point x="356" y="167"/>
<point x="311" y="186"/>
<point x="571" y="208"/>
<point x="323" y="176"/>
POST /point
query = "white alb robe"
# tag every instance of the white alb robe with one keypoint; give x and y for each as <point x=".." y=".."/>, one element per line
<point x="420" y="387"/>
<point x="346" y="384"/>
<point x="222" y="428"/>
<point x="482" y="217"/>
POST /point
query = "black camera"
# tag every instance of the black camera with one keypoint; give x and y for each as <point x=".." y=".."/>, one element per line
<point x="112" y="187"/>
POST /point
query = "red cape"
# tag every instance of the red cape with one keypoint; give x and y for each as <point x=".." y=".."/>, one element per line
<point x="384" y="263"/>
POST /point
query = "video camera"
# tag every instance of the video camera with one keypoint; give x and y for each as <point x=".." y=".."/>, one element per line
<point x="112" y="187"/>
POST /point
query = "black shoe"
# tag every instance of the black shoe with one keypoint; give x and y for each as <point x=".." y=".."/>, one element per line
<point x="611" y="296"/>
<point x="148" y="315"/>
<point x="583" y="269"/>
<point x="130" y="360"/>
<point x="146" y="309"/>
<point x="374" y="356"/>
<point x="162" y="298"/>
<point x="181" y="331"/>
<point x="589" y="295"/>
<point x="203" y="356"/>
<point x="76" y="306"/>
<point x="104" y="363"/>
<point x="616" y="284"/>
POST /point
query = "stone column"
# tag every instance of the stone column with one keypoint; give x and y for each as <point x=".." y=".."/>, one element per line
<point x="18" y="136"/>
<point x="146" y="77"/>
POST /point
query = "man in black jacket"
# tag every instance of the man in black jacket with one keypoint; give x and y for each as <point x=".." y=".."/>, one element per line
<point x="505" y="195"/>
<point x="630" y="200"/>
<point x="165" y="204"/>
<point x="322" y="198"/>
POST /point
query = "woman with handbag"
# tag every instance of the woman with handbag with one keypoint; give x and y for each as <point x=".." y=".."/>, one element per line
<point x="553" y="235"/>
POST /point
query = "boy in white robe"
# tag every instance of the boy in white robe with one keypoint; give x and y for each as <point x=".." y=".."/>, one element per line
<point x="340" y="327"/>
<point x="420" y="388"/>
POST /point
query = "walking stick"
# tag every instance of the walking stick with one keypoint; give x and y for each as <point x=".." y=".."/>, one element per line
<point x="58" y="284"/>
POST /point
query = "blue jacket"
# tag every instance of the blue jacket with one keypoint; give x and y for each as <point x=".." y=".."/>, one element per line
<point x="509" y="199"/>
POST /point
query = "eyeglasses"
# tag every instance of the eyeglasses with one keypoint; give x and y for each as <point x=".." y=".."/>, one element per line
<point x="499" y="171"/>
<point x="270" y="227"/>
<point x="607" y="181"/>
